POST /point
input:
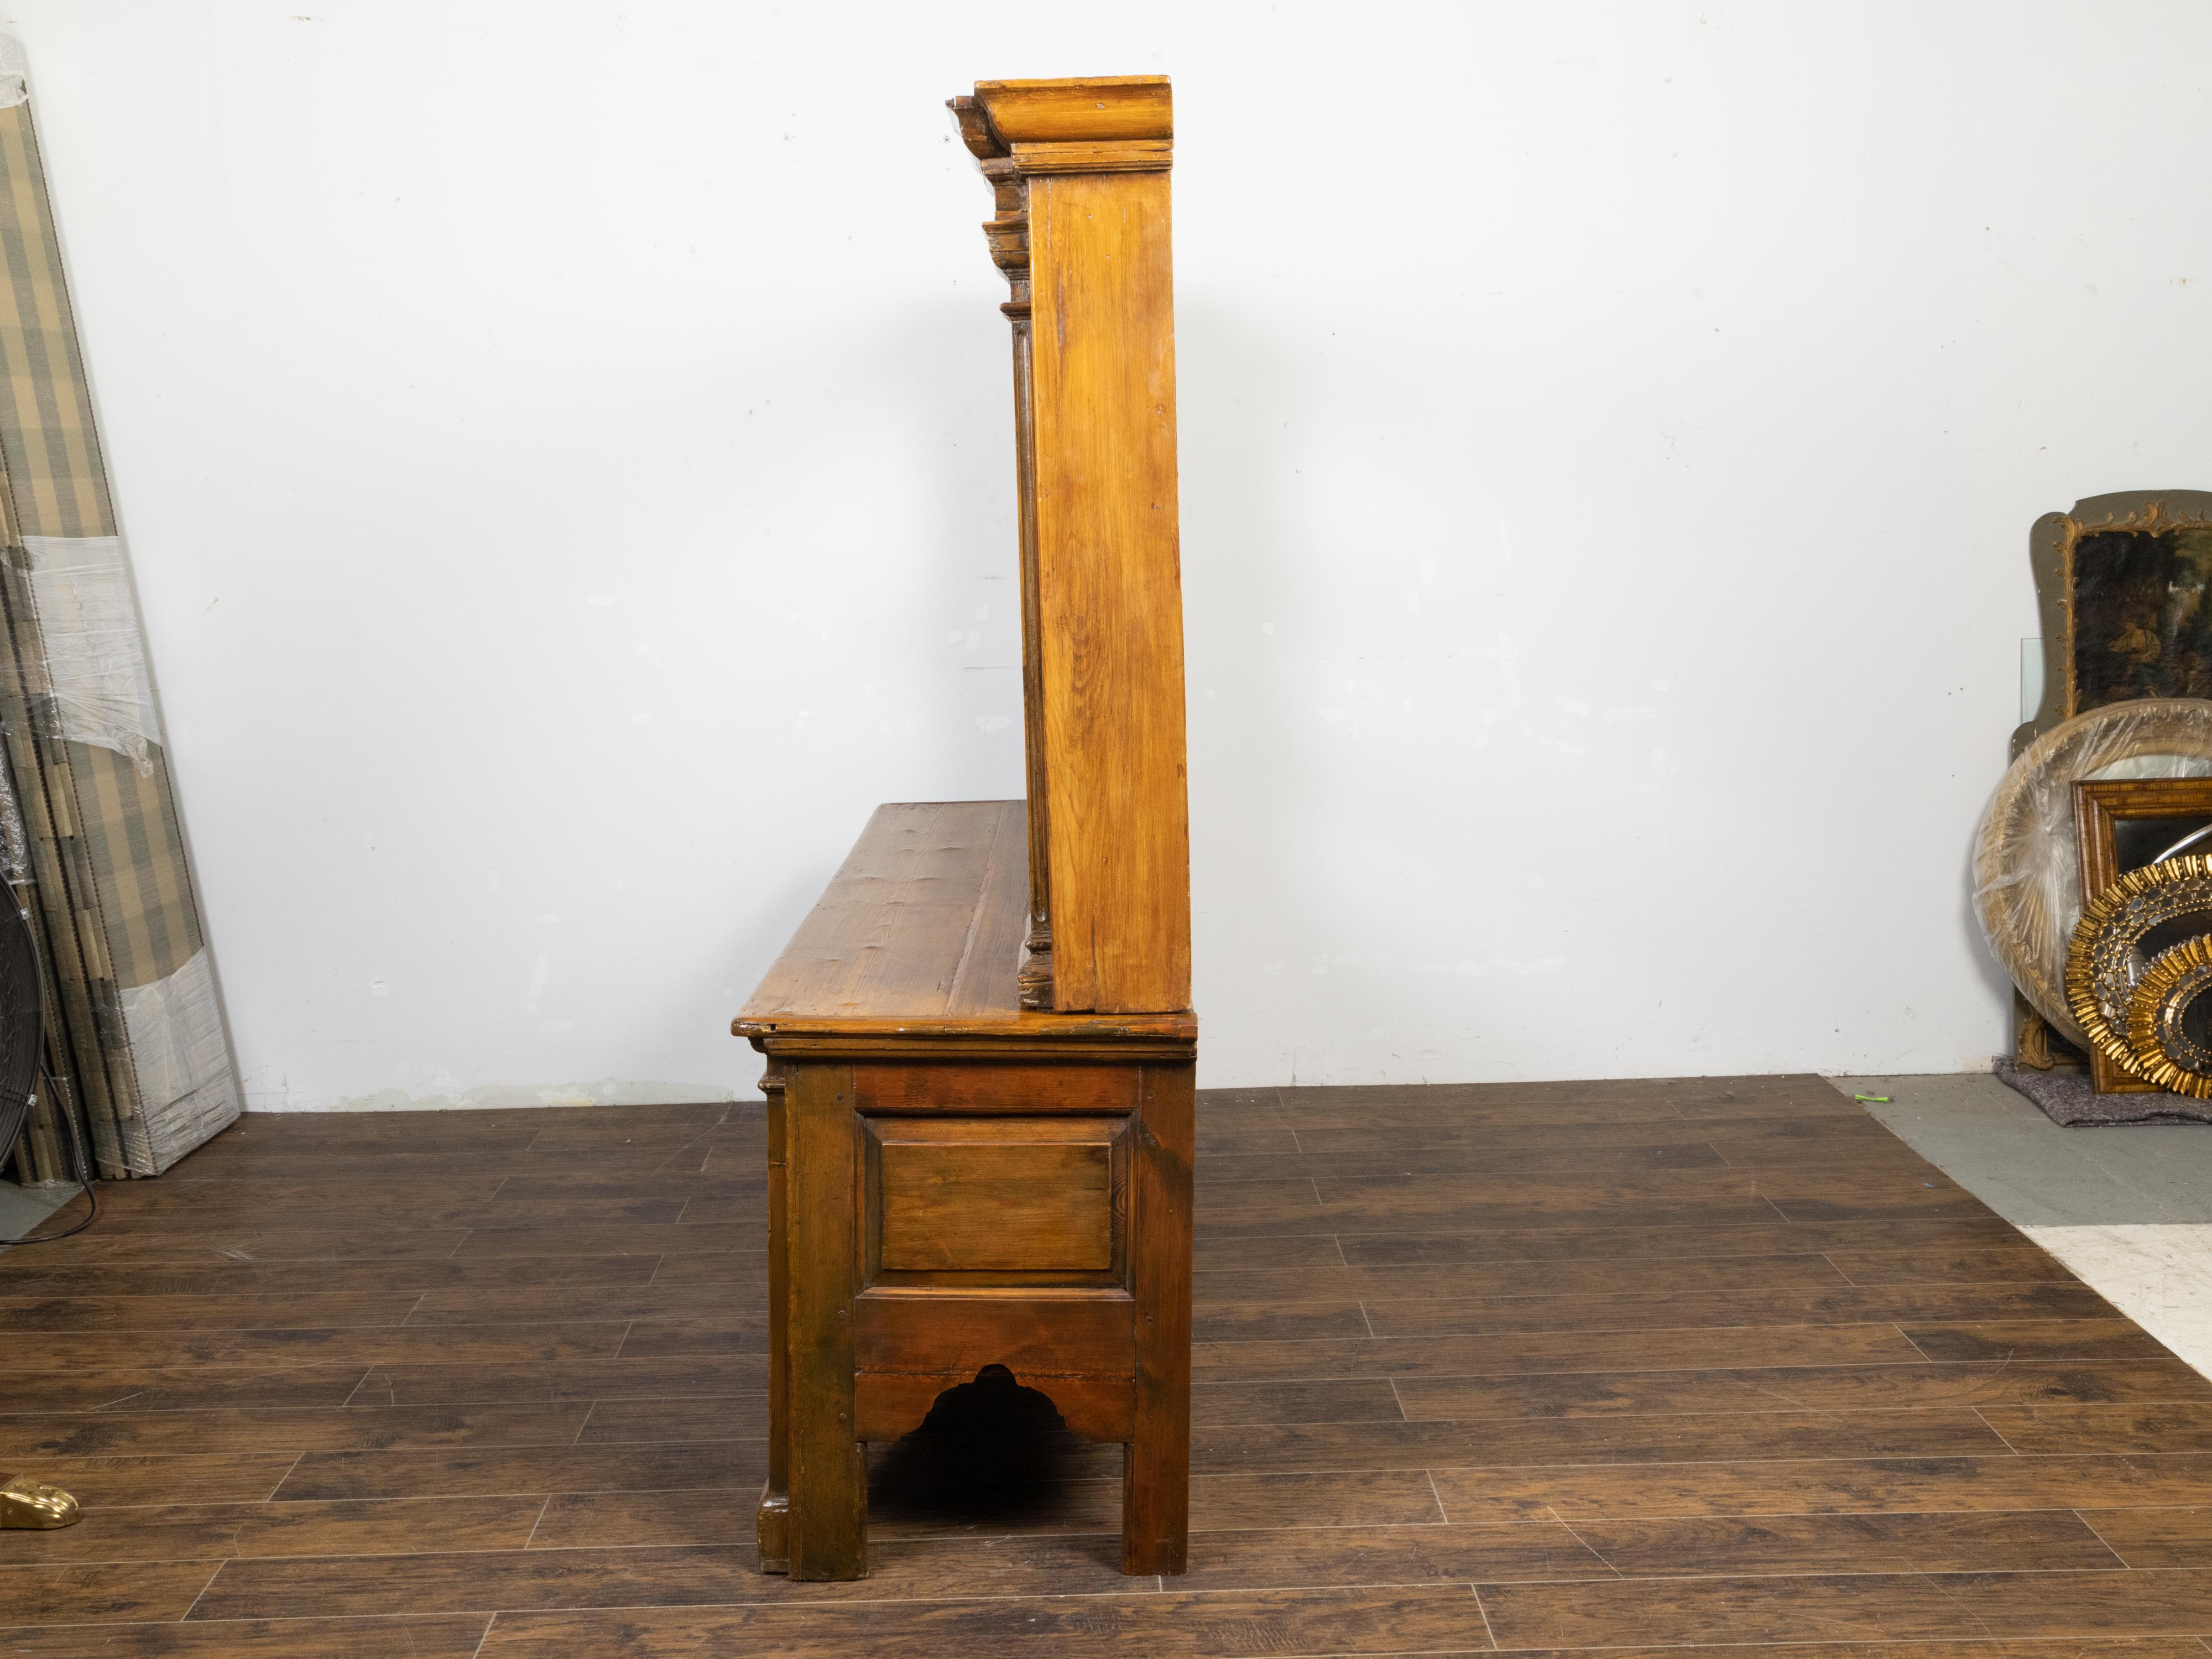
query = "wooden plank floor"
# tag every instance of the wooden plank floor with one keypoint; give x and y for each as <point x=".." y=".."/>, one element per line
<point x="1629" y="1366"/>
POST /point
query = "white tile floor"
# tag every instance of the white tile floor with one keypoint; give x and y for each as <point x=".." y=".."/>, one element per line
<point x="23" y="1208"/>
<point x="2129" y="1209"/>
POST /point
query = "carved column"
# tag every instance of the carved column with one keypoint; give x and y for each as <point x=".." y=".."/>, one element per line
<point x="1007" y="233"/>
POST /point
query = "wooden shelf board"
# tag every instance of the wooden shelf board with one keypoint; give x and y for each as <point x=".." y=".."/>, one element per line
<point x="919" y="934"/>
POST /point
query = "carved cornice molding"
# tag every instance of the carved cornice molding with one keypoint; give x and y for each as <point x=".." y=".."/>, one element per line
<point x="1130" y="156"/>
<point x="1018" y="131"/>
<point x="1097" y="109"/>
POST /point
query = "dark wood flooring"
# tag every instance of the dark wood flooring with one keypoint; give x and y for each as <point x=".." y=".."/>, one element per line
<point x="1630" y="1366"/>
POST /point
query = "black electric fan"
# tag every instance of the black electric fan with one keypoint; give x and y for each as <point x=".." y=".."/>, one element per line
<point x="22" y="1045"/>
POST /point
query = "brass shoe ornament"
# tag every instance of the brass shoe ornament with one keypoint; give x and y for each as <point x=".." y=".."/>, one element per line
<point x="33" y="1505"/>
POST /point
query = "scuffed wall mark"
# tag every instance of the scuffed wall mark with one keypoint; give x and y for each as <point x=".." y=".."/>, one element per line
<point x="540" y="972"/>
<point x="1495" y="964"/>
<point x="1427" y="574"/>
<point x="607" y="1091"/>
<point x="1507" y="656"/>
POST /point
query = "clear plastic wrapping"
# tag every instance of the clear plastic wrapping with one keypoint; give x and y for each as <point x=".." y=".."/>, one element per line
<point x="95" y="667"/>
<point x="14" y="839"/>
<point x="186" y="1093"/>
<point x="2027" y="876"/>
<point x="15" y="82"/>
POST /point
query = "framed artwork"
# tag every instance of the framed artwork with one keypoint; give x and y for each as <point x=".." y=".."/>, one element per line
<point x="2124" y="587"/>
<point x="2122" y="582"/>
<point x="2124" y="824"/>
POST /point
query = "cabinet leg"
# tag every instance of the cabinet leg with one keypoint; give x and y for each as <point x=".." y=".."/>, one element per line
<point x="1156" y="1500"/>
<point x="772" y="1527"/>
<point x="772" y="1524"/>
<point x="827" y="1530"/>
<point x="1156" y="1468"/>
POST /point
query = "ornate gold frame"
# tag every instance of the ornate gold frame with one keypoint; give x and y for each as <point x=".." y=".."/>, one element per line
<point x="2099" y="805"/>
<point x="2050" y="545"/>
<point x="2082" y="949"/>
<point x="2187" y="961"/>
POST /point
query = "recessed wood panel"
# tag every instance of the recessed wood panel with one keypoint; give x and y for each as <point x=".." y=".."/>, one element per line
<point x="1021" y="1195"/>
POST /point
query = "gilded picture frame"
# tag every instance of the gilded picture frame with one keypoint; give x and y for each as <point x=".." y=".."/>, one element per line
<point x="2124" y="654"/>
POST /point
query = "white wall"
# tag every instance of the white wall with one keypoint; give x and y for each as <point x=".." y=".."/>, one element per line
<point x="564" y="450"/>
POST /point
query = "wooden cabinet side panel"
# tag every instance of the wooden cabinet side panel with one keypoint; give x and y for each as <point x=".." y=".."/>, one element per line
<point x="1109" y="583"/>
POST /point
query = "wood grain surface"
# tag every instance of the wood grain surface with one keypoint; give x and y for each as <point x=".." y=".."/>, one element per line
<point x="1030" y="1194"/>
<point x="1079" y="172"/>
<point x="908" y="928"/>
<point x="919" y="938"/>
<point x="1110" y="590"/>
<point x="1788" y="1390"/>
